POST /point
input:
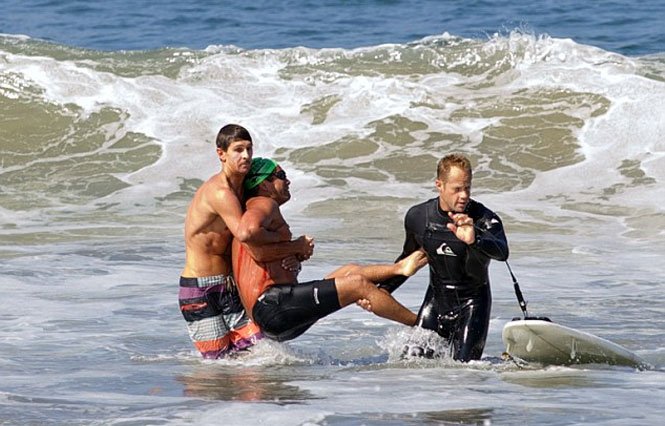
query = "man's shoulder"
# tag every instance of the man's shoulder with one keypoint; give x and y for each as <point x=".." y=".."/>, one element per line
<point x="417" y="215"/>
<point x="216" y="188"/>
<point x="422" y="206"/>
<point x="261" y="202"/>
<point x="477" y="209"/>
<point x="216" y="182"/>
<point x="213" y="198"/>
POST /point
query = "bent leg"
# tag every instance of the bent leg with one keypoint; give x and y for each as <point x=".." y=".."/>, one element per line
<point x="380" y="272"/>
<point x="353" y="287"/>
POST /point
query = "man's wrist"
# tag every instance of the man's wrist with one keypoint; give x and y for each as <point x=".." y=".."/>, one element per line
<point x="475" y="241"/>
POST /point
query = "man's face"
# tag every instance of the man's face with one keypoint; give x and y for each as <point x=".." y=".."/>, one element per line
<point x="455" y="190"/>
<point x="237" y="157"/>
<point x="280" y="184"/>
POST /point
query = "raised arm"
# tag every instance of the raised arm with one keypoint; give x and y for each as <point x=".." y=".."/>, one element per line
<point x="490" y="237"/>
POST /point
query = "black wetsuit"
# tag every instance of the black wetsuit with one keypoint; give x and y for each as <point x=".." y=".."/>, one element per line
<point x="458" y="299"/>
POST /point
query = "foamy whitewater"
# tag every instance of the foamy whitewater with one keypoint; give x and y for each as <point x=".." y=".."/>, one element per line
<point x="102" y="151"/>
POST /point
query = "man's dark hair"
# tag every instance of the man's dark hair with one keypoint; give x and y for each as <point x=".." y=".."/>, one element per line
<point x="231" y="133"/>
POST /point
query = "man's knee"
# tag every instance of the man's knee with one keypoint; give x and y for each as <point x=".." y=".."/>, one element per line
<point x="349" y="269"/>
<point x="355" y="286"/>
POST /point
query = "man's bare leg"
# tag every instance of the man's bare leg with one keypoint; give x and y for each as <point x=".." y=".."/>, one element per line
<point x="355" y="287"/>
<point x="376" y="273"/>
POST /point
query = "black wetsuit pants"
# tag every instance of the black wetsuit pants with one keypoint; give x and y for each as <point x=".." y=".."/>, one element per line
<point x="459" y="316"/>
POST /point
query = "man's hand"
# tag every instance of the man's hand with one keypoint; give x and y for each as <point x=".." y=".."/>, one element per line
<point x="291" y="263"/>
<point x="462" y="227"/>
<point x="364" y="303"/>
<point x="307" y="247"/>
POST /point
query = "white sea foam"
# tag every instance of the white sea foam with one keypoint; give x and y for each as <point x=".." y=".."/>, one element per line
<point x="183" y="114"/>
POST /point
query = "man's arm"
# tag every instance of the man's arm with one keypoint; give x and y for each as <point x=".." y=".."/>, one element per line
<point x="263" y="214"/>
<point x="227" y="206"/>
<point x="490" y="238"/>
<point x="302" y="248"/>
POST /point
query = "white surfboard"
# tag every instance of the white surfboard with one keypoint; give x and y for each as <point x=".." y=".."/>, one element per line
<point x="545" y="342"/>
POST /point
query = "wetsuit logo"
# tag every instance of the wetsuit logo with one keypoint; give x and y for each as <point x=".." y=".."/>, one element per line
<point x="445" y="250"/>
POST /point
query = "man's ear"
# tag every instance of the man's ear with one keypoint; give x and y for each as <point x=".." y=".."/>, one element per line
<point x="221" y="154"/>
<point x="439" y="184"/>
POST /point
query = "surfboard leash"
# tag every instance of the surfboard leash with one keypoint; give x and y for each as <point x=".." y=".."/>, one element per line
<point x="518" y="292"/>
<point x="516" y="286"/>
<point x="520" y="298"/>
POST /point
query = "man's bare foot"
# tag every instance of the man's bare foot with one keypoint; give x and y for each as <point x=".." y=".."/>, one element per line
<point x="412" y="263"/>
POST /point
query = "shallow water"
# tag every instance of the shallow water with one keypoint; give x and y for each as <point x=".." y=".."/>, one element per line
<point x="101" y="151"/>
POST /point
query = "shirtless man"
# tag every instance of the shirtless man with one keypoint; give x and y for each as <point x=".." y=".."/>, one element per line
<point x="208" y="298"/>
<point x="271" y="294"/>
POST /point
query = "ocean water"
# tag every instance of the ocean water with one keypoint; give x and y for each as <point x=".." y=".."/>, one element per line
<point x="108" y="113"/>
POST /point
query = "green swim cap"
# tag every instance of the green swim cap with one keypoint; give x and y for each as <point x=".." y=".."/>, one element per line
<point x="259" y="171"/>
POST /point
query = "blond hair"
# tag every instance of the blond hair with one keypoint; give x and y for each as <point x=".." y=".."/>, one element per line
<point x="450" y="161"/>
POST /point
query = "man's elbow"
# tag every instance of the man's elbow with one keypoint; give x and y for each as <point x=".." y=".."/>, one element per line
<point x="496" y="251"/>
<point x="247" y="234"/>
<point x="503" y="254"/>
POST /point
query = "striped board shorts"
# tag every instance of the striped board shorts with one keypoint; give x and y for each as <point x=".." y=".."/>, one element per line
<point x="216" y="320"/>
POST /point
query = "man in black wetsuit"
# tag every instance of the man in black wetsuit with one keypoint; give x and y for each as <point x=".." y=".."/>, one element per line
<point x="460" y="237"/>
